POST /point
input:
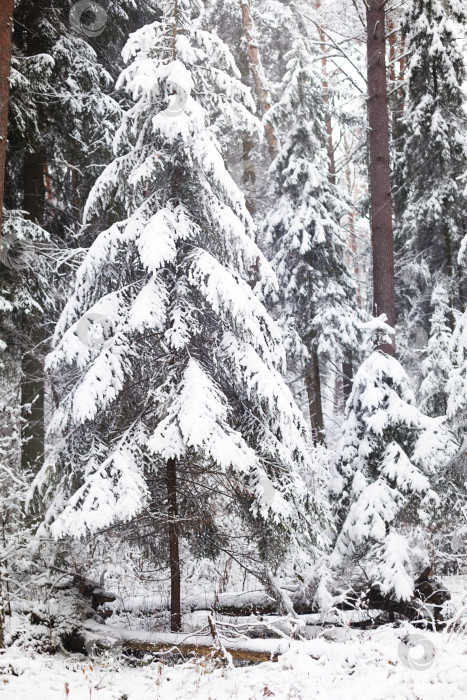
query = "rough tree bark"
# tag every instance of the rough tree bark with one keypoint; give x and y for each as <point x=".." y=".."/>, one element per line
<point x="6" y="27"/>
<point x="256" y="71"/>
<point x="34" y="203"/>
<point x="379" y="167"/>
<point x="174" y="554"/>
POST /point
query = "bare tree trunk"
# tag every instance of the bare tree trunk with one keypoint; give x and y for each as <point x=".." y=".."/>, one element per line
<point x="313" y="388"/>
<point x="6" y="27"/>
<point x="174" y="554"/>
<point x="32" y="385"/>
<point x="379" y="169"/>
<point x="34" y="202"/>
<point x="256" y="70"/>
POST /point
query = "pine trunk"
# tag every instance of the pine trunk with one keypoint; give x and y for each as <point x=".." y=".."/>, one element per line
<point x="174" y="554"/>
<point x="34" y="203"/>
<point x="379" y="168"/>
<point x="32" y="385"/>
<point x="313" y="388"/>
<point x="6" y="26"/>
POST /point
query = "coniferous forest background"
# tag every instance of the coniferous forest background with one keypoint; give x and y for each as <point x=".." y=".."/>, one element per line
<point x="233" y="346"/>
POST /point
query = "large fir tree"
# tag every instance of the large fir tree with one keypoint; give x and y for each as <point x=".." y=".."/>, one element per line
<point x="178" y="409"/>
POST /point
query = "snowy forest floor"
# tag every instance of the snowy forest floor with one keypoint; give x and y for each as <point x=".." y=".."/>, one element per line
<point x="341" y="663"/>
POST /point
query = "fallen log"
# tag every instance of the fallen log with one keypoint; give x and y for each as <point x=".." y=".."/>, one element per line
<point x="101" y="637"/>
<point x="207" y="651"/>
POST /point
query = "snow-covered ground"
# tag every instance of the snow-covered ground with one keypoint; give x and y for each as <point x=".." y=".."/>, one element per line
<point x="365" y="665"/>
<point x="341" y="663"/>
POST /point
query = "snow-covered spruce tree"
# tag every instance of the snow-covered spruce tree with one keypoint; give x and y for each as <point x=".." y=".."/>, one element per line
<point x="437" y="365"/>
<point x="306" y="229"/>
<point x="434" y="154"/>
<point x="380" y="491"/>
<point x="181" y="416"/>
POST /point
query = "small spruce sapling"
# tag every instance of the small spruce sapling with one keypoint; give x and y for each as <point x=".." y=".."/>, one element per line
<point x="380" y="492"/>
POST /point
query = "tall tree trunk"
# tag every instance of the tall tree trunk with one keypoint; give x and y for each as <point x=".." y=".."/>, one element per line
<point x="379" y="168"/>
<point x="6" y="27"/>
<point x="32" y="385"/>
<point x="313" y="388"/>
<point x="34" y="202"/>
<point x="174" y="554"/>
<point x="257" y="73"/>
